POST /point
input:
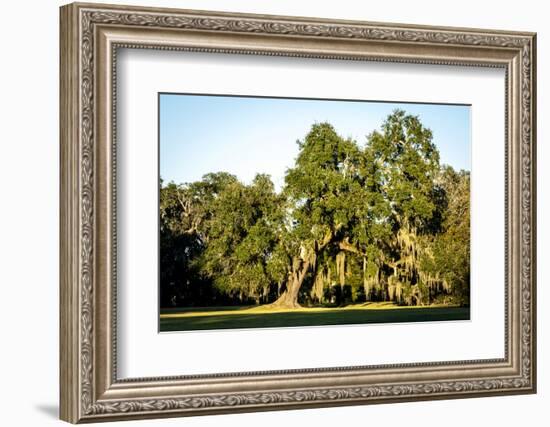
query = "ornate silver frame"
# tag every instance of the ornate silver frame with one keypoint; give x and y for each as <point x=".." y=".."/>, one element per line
<point x="90" y="36"/>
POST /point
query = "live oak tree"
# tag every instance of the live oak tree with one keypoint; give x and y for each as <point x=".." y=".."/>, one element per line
<point x="335" y="209"/>
<point x="379" y="222"/>
<point x="318" y="189"/>
<point x="408" y="163"/>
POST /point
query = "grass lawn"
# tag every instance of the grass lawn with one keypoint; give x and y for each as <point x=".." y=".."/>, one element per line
<point x="201" y="318"/>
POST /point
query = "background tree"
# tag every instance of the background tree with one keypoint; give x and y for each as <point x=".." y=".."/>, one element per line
<point x="242" y="230"/>
<point x="184" y="212"/>
<point x="180" y="245"/>
<point x="448" y="254"/>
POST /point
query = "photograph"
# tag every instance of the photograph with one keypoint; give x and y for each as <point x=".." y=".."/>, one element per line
<point x="291" y="212"/>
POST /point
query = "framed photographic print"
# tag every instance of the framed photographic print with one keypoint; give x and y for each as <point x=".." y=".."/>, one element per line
<point x="266" y="212"/>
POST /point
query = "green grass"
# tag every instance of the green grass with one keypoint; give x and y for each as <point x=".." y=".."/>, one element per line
<point x="263" y="317"/>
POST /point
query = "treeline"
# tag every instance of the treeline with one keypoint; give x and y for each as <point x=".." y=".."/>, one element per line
<point x="382" y="222"/>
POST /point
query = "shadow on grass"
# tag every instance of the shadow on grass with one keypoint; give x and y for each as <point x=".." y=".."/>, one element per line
<point x="203" y="309"/>
<point x="344" y="317"/>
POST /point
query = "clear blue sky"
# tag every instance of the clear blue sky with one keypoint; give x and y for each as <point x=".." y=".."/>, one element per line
<point x="245" y="136"/>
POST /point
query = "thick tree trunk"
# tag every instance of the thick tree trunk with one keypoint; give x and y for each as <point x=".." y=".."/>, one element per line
<point x="300" y="266"/>
<point x="289" y="298"/>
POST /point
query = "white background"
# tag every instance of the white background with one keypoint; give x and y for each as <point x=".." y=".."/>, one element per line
<point x="145" y="353"/>
<point x="29" y="171"/>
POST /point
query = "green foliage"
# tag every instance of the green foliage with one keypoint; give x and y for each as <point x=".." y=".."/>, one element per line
<point x="241" y="231"/>
<point x="407" y="163"/>
<point x="382" y="222"/>
<point x="449" y="254"/>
